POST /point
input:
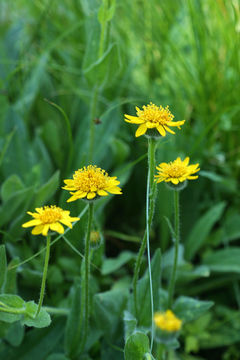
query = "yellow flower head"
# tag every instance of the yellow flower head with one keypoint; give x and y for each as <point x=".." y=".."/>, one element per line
<point x="176" y="171"/>
<point x="91" y="182"/>
<point x="49" y="218"/>
<point x="167" y="321"/>
<point x="153" y="120"/>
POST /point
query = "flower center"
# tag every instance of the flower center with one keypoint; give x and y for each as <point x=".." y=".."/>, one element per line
<point x="50" y="215"/>
<point x="155" y="114"/>
<point x="176" y="170"/>
<point x="90" y="178"/>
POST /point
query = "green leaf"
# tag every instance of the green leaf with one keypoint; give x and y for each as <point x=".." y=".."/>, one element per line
<point x="47" y="190"/>
<point x="15" y="334"/>
<point x="23" y="311"/>
<point x="130" y="323"/>
<point x="32" y="85"/>
<point x="104" y="70"/>
<point x="224" y="260"/>
<point x="188" y="309"/>
<point x="143" y="292"/>
<point x="231" y="227"/>
<point x="106" y="12"/>
<point x="3" y="266"/>
<point x="10" y="186"/>
<point x="10" y="286"/>
<point x="57" y="357"/>
<point x="168" y="257"/>
<point x="111" y="265"/>
<point x="42" y="320"/>
<point x="108" y="310"/>
<point x="14" y="302"/>
<point x="201" y="229"/>
<point x="73" y="321"/>
<point x="18" y="201"/>
<point x="189" y="273"/>
<point x="137" y="346"/>
<point x="37" y="343"/>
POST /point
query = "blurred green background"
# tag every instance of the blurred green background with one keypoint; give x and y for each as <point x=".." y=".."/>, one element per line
<point x="69" y="70"/>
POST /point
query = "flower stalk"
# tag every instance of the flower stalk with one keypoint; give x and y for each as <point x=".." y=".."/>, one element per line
<point x="176" y="247"/>
<point x="44" y="277"/>
<point x="87" y="273"/>
<point x="150" y="199"/>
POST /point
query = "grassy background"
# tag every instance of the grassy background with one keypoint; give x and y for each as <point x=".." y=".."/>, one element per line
<point x="96" y="60"/>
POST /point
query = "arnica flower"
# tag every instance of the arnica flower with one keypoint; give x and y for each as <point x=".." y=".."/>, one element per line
<point x="49" y="218"/>
<point x="91" y="182"/>
<point x="153" y="120"/>
<point x="176" y="171"/>
<point x="167" y="321"/>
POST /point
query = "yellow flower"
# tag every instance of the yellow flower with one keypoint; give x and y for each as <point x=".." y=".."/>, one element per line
<point x="49" y="218"/>
<point x="91" y="182"/>
<point x="176" y="171"/>
<point x="154" y="120"/>
<point x="167" y="321"/>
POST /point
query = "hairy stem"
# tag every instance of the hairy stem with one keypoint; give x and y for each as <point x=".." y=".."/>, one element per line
<point x="87" y="274"/>
<point x="44" y="278"/>
<point x="150" y="199"/>
<point x="176" y="243"/>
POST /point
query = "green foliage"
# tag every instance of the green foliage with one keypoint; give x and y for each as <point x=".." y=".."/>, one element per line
<point x="136" y="347"/>
<point x="189" y="309"/>
<point x="14" y="309"/>
<point x="67" y="68"/>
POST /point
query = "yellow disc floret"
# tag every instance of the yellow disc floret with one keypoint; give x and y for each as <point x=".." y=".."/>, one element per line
<point x="49" y="218"/>
<point x="176" y="171"/>
<point x="167" y="321"/>
<point x="153" y="117"/>
<point x="91" y="182"/>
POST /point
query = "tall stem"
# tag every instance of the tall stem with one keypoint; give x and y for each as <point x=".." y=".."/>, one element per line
<point x="94" y="104"/>
<point x="177" y="239"/>
<point x="45" y="269"/>
<point x="150" y="199"/>
<point x="87" y="273"/>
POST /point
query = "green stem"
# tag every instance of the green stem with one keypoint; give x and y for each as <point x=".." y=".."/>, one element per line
<point x="87" y="274"/>
<point x="93" y="111"/>
<point x="10" y="310"/>
<point x="56" y="311"/>
<point x="45" y="269"/>
<point x="176" y="242"/>
<point x="92" y="123"/>
<point x="151" y="191"/>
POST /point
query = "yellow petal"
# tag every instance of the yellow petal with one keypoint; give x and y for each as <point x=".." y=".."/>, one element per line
<point x="73" y="219"/>
<point x="102" y="193"/>
<point x="133" y="119"/>
<point x="45" y="229"/>
<point x="57" y="227"/>
<point x="81" y="194"/>
<point x="91" y="195"/>
<point x="39" y="210"/>
<point x="115" y="190"/>
<point x="192" y="177"/>
<point x="37" y="230"/>
<point x="68" y="181"/>
<point x="161" y="130"/>
<point x="150" y="125"/>
<point x="175" y="123"/>
<point x="186" y="161"/>
<point x="32" y="223"/>
<point x="141" y="130"/>
<point x="72" y="198"/>
<point x="169" y="130"/>
<point x="174" y="181"/>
